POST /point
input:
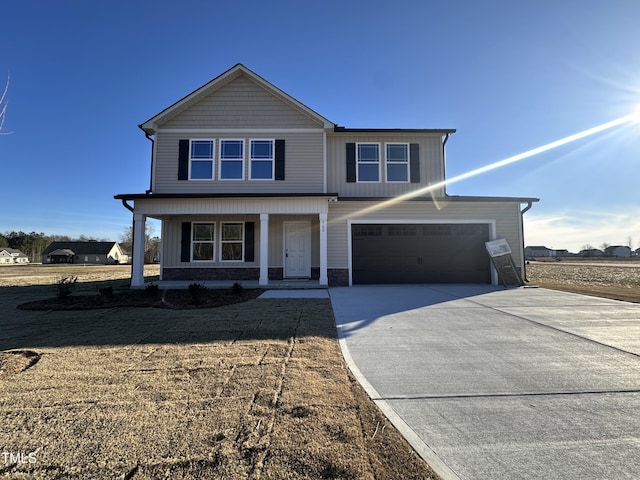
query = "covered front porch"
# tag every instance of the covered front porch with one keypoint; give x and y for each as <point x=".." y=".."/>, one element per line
<point x="263" y="241"/>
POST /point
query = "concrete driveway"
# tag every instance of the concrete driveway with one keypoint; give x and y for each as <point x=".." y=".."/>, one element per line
<point x="489" y="383"/>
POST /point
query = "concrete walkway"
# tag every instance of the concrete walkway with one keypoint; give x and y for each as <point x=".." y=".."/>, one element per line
<point x="503" y="384"/>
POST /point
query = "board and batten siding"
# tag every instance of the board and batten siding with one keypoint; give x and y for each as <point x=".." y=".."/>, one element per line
<point x="431" y="164"/>
<point x="504" y="214"/>
<point x="172" y="239"/>
<point x="241" y="103"/>
<point x="304" y="164"/>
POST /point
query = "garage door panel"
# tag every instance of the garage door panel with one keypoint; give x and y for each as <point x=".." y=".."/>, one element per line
<point x="420" y="253"/>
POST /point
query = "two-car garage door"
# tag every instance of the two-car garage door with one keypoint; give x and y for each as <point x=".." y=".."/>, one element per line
<point x="420" y="253"/>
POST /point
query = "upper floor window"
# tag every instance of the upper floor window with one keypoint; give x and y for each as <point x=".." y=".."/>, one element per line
<point x="201" y="159"/>
<point x="261" y="161"/>
<point x="397" y="162"/>
<point x="368" y="162"/>
<point x="231" y="159"/>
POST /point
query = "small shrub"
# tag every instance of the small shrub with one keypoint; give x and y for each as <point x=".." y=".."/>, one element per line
<point x="106" y="293"/>
<point x="65" y="287"/>
<point x="237" y="288"/>
<point x="197" y="291"/>
<point x="152" y="290"/>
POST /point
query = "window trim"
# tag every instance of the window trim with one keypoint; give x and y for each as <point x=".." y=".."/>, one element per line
<point x="407" y="145"/>
<point x="222" y="241"/>
<point x="213" y="242"/>
<point x="360" y="162"/>
<point x="241" y="160"/>
<point x="212" y="160"/>
<point x="272" y="159"/>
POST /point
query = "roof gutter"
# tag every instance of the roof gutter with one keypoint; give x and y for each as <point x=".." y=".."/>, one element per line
<point x="527" y="208"/>
<point x="126" y="205"/>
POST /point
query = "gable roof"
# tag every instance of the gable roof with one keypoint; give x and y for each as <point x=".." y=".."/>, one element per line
<point x="81" y="248"/>
<point x="151" y="125"/>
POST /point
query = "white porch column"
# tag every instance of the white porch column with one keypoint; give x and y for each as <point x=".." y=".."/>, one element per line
<point x="264" y="249"/>
<point x="323" y="249"/>
<point x="137" y="269"/>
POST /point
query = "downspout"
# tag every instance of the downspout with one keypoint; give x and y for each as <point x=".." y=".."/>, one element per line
<point x="444" y="161"/>
<point x="133" y="221"/>
<point x="524" y="261"/>
<point x="153" y="147"/>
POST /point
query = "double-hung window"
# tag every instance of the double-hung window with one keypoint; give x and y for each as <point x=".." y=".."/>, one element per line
<point x="232" y="242"/>
<point x="203" y="241"/>
<point x="397" y="159"/>
<point x="201" y="159"/>
<point x="231" y="159"/>
<point x="261" y="160"/>
<point x="368" y="162"/>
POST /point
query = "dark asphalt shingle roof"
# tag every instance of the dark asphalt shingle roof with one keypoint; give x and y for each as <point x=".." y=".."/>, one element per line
<point x="81" y="248"/>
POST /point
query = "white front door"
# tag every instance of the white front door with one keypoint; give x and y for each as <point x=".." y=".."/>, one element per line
<point x="297" y="249"/>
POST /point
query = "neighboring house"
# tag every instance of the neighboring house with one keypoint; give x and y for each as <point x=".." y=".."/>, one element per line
<point x="591" y="253"/>
<point x="617" y="251"/>
<point x="91" y="252"/>
<point x="12" y="256"/>
<point x="537" y="252"/>
<point x="250" y="184"/>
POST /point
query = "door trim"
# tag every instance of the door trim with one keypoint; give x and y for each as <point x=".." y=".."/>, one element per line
<point x="307" y="227"/>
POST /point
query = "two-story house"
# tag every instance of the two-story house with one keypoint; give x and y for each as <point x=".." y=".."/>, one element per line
<point x="250" y="184"/>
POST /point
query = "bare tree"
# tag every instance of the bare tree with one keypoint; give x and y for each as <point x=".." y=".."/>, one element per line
<point x="3" y="106"/>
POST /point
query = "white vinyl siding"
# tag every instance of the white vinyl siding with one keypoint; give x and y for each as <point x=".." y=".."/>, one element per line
<point x="241" y="103"/>
<point x="431" y="165"/>
<point x="304" y="161"/>
<point x="505" y="215"/>
<point x="171" y="233"/>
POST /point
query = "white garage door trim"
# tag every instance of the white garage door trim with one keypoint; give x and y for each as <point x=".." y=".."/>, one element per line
<point x="412" y="221"/>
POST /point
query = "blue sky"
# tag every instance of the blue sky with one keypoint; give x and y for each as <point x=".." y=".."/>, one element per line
<point x="509" y="76"/>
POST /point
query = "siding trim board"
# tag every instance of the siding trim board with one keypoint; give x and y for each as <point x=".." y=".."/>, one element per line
<point x="247" y="131"/>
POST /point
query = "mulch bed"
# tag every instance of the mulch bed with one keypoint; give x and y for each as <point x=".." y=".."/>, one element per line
<point x="175" y="299"/>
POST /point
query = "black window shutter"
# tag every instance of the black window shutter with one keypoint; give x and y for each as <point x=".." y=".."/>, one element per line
<point x="185" y="247"/>
<point x="414" y="162"/>
<point x="351" y="162"/>
<point x="249" y="241"/>
<point x="279" y="157"/>
<point x="183" y="160"/>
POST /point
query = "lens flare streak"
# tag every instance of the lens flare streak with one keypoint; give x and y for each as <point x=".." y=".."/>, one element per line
<point x="502" y="163"/>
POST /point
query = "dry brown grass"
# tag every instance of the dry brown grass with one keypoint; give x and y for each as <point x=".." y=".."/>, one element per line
<point x="252" y="390"/>
<point x="618" y="281"/>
